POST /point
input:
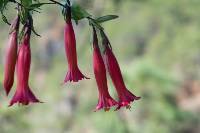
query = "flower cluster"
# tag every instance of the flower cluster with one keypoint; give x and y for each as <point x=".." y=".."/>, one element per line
<point x="19" y="57"/>
<point x="105" y="100"/>
<point x="125" y="97"/>
<point x="99" y="65"/>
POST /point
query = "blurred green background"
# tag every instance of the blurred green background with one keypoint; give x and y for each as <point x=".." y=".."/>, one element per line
<point x="157" y="45"/>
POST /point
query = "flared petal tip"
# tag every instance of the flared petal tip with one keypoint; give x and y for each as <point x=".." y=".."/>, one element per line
<point x="126" y="99"/>
<point x="23" y="103"/>
<point x="127" y="103"/>
<point x="24" y="98"/>
<point x="74" y="77"/>
<point x="105" y="109"/>
<point x="106" y="104"/>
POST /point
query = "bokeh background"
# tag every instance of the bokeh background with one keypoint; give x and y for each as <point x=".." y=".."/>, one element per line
<point x="157" y="43"/>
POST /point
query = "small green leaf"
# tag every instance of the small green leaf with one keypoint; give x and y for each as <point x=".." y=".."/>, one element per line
<point x="106" y="18"/>
<point x="78" y="12"/>
<point x="26" y="2"/>
<point x="3" y="4"/>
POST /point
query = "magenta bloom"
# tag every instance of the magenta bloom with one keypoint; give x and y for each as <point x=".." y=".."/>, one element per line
<point x="125" y="96"/>
<point x="73" y="74"/>
<point x="23" y="94"/>
<point x="105" y="100"/>
<point x="11" y="57"/>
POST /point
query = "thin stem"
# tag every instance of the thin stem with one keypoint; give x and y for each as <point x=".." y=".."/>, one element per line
<point x="89" y="18"/>
<point x="56" y="2"/>
<point x="94" y="23"/>
<point x="68" y="2"/>
<point x="106" y="41"/>
<point x="14" y="1"/>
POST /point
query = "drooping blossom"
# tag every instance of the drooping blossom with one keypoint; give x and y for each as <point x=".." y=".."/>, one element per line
<point x="105" y="100"/>
<point x="11" y="56"/>
<point x="73" y="74"/>
<point x="125" y="96"/>
<point x="23" y="94"/>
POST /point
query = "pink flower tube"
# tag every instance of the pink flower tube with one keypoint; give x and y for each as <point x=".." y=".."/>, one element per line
<point x="73" y="74"/>
<point x="11" y="57"/>
<point x="23" y="94"/>
<point x="105" y="100"/>
<point x="125" y="96"/>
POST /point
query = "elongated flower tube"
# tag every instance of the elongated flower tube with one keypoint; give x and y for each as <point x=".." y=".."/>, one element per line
<point x="11" y="56"/>
<point x="105" y="100"/>
<point x="73" y="74"/>
<point x="125" y="96"/>
<point x="23" y="94"/>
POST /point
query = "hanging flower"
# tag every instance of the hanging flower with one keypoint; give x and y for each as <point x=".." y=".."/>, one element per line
<point x="105" y="100"/>
<point x="125" y="96"/>
<point x="73" y="74"/>
<point x="11" y="56"/>
<point x="23" y="94"/>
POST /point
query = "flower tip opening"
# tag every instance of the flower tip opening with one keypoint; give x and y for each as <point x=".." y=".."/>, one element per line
<point x="126" y="103"/>
<point x="106" y="109"/>
<point x="106" y="104"/>
<point x="24" y="97"/>
<point x="75" y="76"/>
<point x="24" y="103"/>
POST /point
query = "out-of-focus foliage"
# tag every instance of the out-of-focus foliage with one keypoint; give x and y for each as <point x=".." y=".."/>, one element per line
<point x="157" y="45"/>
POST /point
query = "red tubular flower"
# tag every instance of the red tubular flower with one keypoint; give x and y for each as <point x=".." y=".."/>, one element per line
<point x="125" y="96"/>
<point x="23" y="94"/>
<point x="105" y="100"/>
<point x="73" y="74"/>
<point x="11" y="57"/>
